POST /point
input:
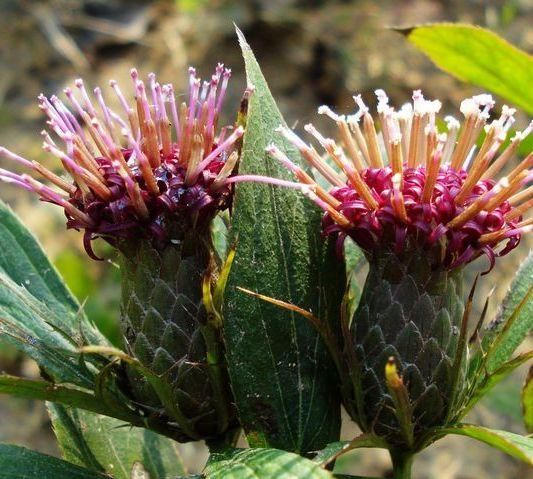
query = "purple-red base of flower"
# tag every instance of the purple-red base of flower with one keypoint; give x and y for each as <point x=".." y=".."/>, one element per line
<point x="426" y="222"/>
<point x="117" y="218"/>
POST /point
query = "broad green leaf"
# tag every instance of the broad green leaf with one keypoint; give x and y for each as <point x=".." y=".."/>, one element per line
<point x="284" y="383"/>
<point x="515" y="320"/>
<point x="478" y="56"/>
<point x="527" y="401"/>
<point x="520" y="447"/>
<point x="112" y="446"/>
<point x="18" y="462"/>
<point x="261" y="463"/>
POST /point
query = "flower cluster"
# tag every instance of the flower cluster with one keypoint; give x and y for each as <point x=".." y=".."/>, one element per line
<point x="133" y="173"/>
<point x="415" y="187"/>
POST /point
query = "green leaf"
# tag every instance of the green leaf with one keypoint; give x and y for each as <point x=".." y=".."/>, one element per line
<point x="335" y="449"/>
<point x="261" y="463"/>
<point x="284" y="382"/>
<point x="492" y="379"/>
<point x="112" y="446"/>
<point x="37" y="312"/>
<point x="515" y="320"/>
<point x="68" y="395"/>
<point x="18" y="462"/>
<point x="330" y="452"/>
<point x="527" y="401"/>
<point x="24" y="262"/>
<point x="26" y="323"/>
<point x="520" y="447"/>
<point x="46" y="391"/>
<point x="478" y="56"/>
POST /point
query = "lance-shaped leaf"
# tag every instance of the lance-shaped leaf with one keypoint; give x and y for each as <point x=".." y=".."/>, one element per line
<point x="515" y="319"/>
<point x="24" y="262"/>
<point x="515" y="445"/>
<point x="284" y="383"/>
<point x="335" y="449"/>
<point x="491" y="380"/>
<point x="490" y="357"/>
<point x="527" y="401"/>
<point x="109" y="445"/>
<point x="478" y="56"/>
<point x="37" y="312"/>
<point x="261" y="463"/>
<point x="18" y="462"/>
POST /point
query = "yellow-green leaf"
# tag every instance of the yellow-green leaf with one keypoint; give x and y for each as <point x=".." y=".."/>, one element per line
<point x="478" y="56"/>
<point x="520" y="447"/>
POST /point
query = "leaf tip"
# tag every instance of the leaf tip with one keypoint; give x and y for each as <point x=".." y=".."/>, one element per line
<point x="405" y="31"/>
<point x="240" y="36"/>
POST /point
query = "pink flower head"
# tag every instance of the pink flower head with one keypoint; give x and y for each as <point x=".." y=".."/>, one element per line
<point x="415" y="187"/>
<point x="134" y="172"/>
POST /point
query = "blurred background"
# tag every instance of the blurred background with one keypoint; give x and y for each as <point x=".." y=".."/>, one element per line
<point x="312" y="52"/>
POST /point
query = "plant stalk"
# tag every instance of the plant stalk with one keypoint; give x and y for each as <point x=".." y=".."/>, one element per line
<point x="402" y="462"/>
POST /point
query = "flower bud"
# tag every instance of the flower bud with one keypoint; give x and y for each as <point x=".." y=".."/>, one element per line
<point x="421" y="204"/>
<point x="149" y="180"/>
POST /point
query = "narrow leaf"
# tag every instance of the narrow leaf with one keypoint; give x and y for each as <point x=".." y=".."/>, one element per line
<point x="24" y="262"/>
<point x="26" y="322"/>
<point x="527" y="401"/>
<point x="520" y="447"/>
<point x="335" y="449"/>
<point x="110" y="445"/>
<point x="515" y="320"/>
<point x="478" y="56"/>
<point x="64" y="394"/>
<point x="494" y="378"/>
<point x="18" y="462"/>
<point x="262" y="464"/>
<point x="38" y="314"/>
<point x="283" y="380"/>
<point x="330" y="452"/>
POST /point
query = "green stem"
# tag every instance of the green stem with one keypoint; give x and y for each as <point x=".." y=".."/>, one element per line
<point x="217" y="374"/>
<point x="402" y="462"/>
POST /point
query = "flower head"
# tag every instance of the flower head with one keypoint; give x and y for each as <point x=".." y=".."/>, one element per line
<point x="136" y="172"/>
<point x="413" y="186"/>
